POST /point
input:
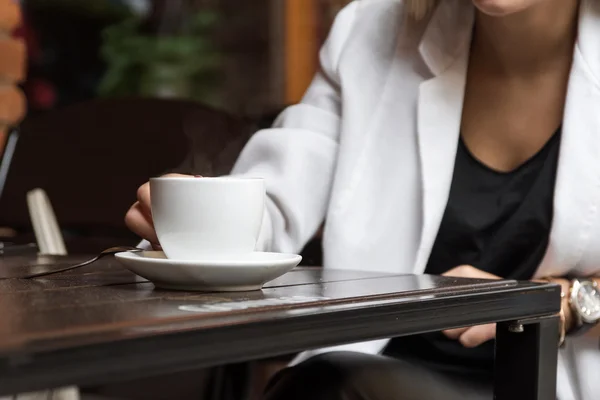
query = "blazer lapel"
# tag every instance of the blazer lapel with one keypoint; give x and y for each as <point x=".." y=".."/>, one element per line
<point x="445" y="49"/>
<point x="577" y="193"/>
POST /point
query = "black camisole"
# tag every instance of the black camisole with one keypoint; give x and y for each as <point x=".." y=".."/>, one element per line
<point x="495" y="221"/>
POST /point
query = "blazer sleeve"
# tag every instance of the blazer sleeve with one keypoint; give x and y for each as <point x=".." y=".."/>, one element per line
<point x="297" y="156"/>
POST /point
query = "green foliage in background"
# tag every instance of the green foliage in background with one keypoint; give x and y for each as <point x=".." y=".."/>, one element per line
<point x="181" y="65"/>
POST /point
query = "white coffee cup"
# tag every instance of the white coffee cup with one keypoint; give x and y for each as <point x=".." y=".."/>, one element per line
<point x="196" y="218"/>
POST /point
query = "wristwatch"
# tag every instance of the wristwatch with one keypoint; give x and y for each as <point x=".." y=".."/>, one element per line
<point x="585" y="304"/>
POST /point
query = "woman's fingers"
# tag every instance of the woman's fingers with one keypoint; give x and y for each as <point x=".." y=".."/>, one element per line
<point x="472" y="336"/>
<point x="477" y="335"/>
<point x="143" y="199"/>
<point x="468" y="271"/>
<point x="454" y="334"/>
<point x="138" y="221"/>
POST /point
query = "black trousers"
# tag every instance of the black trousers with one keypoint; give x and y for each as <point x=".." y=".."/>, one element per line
<point x="356" y="376"/>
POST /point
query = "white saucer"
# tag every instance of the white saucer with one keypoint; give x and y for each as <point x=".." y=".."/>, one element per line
<point x="231" y="273"/>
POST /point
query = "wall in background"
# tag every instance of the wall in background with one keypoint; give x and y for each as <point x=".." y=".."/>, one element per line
<point x="12" y="68"/>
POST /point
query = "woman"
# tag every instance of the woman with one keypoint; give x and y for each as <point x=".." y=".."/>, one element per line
<point x="429" y="142"/>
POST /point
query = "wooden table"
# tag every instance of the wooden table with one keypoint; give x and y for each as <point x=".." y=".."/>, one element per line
<point x="102" y="323"/>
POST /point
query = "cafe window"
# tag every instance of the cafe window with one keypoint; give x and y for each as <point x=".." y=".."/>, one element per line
<point x="248" y="57"/>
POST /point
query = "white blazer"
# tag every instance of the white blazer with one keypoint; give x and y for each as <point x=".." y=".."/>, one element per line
<point x="371" y="150"/>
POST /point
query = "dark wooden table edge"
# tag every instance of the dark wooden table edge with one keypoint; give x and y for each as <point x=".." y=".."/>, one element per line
<point x="233" y="317"/>
<point x="188" y="350"/>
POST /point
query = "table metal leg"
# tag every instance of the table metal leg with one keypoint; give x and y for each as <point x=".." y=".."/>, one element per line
<point x="526" y="360"/>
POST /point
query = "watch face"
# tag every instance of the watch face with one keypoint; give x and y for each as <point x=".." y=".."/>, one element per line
<point x="588" y="301"/>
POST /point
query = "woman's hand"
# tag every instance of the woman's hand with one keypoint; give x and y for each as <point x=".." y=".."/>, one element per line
<point x="139" y="217"/>
<point x="475" y="335"/>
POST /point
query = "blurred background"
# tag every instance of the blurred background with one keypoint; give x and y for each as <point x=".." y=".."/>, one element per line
<point x="96" y="96"/>
<point x="247" y="57"/>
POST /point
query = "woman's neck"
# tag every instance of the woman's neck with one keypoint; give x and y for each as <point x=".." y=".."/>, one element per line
<point x="528" y="42"/>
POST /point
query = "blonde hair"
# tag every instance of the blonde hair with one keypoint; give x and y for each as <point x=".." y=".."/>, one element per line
<point x="419" y="8"/>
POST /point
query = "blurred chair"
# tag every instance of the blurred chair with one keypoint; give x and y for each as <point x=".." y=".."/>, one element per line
<point x="90" y="159"/>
